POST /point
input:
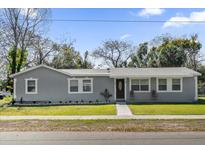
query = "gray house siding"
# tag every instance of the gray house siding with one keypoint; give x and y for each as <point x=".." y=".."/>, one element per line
<point x="187" y="95"/>
<point x="53" y="86"/>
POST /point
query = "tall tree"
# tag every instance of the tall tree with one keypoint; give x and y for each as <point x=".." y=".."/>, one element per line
<point x="86" y="63"/>
<point x="18" y="27"/>
<point x="171" y="53"/>
<point x="43" y="49"/>
<point x="114" y="53"/>
<point x="67" y="57"/>
<point x="140" y="58"/>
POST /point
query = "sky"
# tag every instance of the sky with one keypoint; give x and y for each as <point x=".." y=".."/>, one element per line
<point x="90" y="35"/>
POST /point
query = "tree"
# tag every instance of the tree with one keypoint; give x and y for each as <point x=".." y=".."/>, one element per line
<point x="171" y="53"/>
<point x="140" y="58"/>
<point x="17" y="30"/>
<point x="67" y="57"/>
<point x="166" y="51"/>
<point x="18" y="56"/>
<point x="114" y="53"/>
<point x="43" y="48"/>
<point x="192" y="48"/>
<point x="85" y="62"/>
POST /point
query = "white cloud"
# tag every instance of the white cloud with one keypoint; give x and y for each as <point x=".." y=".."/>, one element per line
<point x="125" y="36"/>
<point x="150" y="12"/>
<point x="183" y="20"/>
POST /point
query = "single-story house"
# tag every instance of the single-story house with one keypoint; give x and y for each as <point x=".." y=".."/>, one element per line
<point x="44" y="83"/>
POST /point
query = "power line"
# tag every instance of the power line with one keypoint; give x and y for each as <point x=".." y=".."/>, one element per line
<point x="122" y="21"/>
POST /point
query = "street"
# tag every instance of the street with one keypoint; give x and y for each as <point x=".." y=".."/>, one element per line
<point x="102" y="138"/>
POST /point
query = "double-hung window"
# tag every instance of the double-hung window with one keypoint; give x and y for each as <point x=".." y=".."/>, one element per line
<point x="87" y="85"/>
<point x="169" y="84"/>
<point x="176" y="84"/>
<point x="140" y="85"/>
<point x="74" y="86"/>
<point x="162" y="84"/>
<point x="31" y="86"/>
<point x="80" y="85"/>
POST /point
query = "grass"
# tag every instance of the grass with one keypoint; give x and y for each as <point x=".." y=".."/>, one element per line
<point x="104" y="125"/>
<point x="6" y="100"/>
<point x="169" y="109"/>
<point x="60" y="110"/>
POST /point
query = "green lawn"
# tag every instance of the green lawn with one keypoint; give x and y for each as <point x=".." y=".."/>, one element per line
<point x="181" y="109"/>
<point x="60" y="110"/>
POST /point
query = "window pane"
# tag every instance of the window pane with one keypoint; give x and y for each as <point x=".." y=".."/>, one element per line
<point x="176" y="81"/>
<point x="162" y="82"/>
<point x="31" y="89"/>
<point x="176" y="87"/>
<point x="74" y="85"/>
<point x="135" y="87"/>
<point x="144" y="87"/>
<point x="31" y="85"/>
<point x="162" y="87"/>
<point x="87" y="85"/>
<point x="135" y="82"/>
<point x="176" y="84"/>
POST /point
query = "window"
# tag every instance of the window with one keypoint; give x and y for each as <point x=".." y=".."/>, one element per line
<point x="31" y="86"/>
<point x="80" y="85"/>
<point x="169" y="84"/>
<point x="73" y="85"/>
<point x="87" y="85"/>
<point x="140" y="84"/>
<point x="162" y="84"/>
<point x="176" y="84"/>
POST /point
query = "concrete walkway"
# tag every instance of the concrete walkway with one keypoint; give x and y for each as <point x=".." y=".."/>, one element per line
<point x="123" y="109"/>
<point x="102" y="117"/>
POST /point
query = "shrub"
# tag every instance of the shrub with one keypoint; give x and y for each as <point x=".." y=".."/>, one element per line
<point x="106" y="95"/>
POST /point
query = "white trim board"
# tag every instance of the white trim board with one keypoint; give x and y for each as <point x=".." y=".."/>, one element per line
<point x="169" y="85"/>
<point x="149" y="86"/>
<point x="36" y="67"/>
<point x="80" y="85"/>
<point x="26" y="85"/>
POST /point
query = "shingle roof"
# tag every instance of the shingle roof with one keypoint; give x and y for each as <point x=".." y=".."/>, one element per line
<point x="168" y="71"/>
<point x="80" y="72"/>
<point x="133" y="72"/>
<point x="123" y="72"/>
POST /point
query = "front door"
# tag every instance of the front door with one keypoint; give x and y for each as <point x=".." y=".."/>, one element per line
<point x="120" y="88"/>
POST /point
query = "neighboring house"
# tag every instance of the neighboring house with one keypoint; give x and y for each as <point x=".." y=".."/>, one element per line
<point x="43" y="83"/>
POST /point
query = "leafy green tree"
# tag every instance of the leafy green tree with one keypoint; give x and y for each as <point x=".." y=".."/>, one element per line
<point x="68" y="57"/>
<point x="171" y="53"/>
<point x="18" y="56"/>
<point x="140" y="58"/>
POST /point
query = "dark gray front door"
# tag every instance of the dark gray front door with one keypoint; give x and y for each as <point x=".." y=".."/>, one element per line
<point x="120" y="88"/>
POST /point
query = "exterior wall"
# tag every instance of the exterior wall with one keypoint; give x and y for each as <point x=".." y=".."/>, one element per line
<point x="187" y="94"/>
<point x="53" y="86"/>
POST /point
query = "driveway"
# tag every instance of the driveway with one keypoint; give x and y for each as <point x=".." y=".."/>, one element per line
<point x="160" y="138"/>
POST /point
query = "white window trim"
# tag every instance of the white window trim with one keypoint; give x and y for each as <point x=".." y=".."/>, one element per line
<point x="80" y="86"/>
<point x="36" y="86"/>
<point x="140" y="91"/>
<point x="169" y="85"/>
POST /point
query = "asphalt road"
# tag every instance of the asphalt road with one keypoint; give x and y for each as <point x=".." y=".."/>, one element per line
<point x="105" y="138"/>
